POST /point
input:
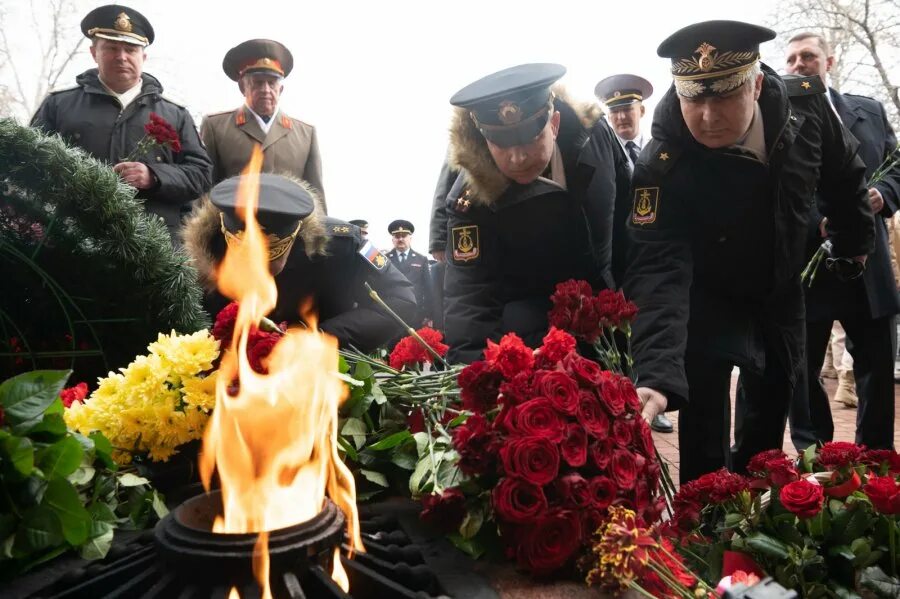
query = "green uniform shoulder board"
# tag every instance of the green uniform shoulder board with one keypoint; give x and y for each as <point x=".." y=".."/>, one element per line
<point x="803" y="86"/>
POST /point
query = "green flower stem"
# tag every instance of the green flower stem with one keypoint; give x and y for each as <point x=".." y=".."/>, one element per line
<point x="670" y="580"/>
<point x="435" y="486"/>
<point x="636" y="587"/>
<point x="377" y="299"/>
<point x="700" y="582"/>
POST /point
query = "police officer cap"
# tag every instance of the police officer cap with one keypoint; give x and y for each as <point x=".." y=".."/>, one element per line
<point x="401" y="226"/>
<point x="714" y="57"/>
<point x="623" y="90"/>
<point x="258" y="56"/>
<point x="283" y="204"/>
<point x="361" y="223"/>
<point x="118" y="23"/>
<point x="510" y="107"/>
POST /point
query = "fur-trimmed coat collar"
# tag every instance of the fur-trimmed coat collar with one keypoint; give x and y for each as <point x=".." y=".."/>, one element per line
<point x="469" y="151"/>
<point x="205" y="243"/>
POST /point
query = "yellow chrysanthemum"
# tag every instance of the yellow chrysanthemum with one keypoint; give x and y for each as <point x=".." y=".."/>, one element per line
<point x="200" y="392"/>
<point x="186" y="355"/>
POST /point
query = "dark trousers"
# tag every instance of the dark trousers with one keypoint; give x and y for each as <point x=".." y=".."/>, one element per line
<point x="871" y="342"/>
<point x="704" y="423"/>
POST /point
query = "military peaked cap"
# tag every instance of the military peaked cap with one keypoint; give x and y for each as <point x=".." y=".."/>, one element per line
<point x="401" y="226"/>
<point x="118" y="23"/>
<point x="258" y="56"/>
<point x="623" y="90"/>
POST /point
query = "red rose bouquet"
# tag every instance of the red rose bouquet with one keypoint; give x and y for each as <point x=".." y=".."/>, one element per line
<point x="158" y="132"/>
<point x="553" y="441"/>
<point x="824" y="525"/>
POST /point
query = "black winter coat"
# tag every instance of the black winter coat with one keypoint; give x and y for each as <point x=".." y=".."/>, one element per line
<point x="89" y="117"/>
<point x="718" y="238"/>
<point x="874" y="295"/>
<point x="505" y="254"/>
<point x="416" y="269"/>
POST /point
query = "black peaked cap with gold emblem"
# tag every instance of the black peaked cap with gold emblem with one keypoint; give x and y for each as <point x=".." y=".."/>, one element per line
<point x="623" y="90"/>
<point x="282" y="204"/>
<point x="258" y="56"/>
<point x="118" y="23"/>
<point x="510" y="107"/>
<point x="401" y="226"/>
<point x="714" y="57"/>
<point x="359" y="222"/>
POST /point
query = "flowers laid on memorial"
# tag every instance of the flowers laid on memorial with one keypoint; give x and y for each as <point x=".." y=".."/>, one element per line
<point x="155" y="404"/>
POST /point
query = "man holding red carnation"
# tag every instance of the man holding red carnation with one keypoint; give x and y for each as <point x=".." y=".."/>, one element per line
<point x="108" y="114"/>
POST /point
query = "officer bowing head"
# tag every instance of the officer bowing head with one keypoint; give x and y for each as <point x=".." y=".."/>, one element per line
<point x="513" y="109"/>
<point x="716" y="72"/>
<point x="286" y="207"/>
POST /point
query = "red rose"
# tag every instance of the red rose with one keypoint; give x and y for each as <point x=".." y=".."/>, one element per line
<point x="557" y="345"/>
<point x="537" y="418"/>
<point x="73" y="394"/>
<point x="516" y="500"/>
<point x="559" y="388"/>
<point x="643" y="438"/>
<point x="601" y="453"/>
<point x="533" y="459"/>
<point x="476" y="444"/>
<point x="884" y="493"/>
<point x="621" y="432"/>
<point x="838" y="454"/>
<point x="445" y="512"/>
<point x="571" y="491"/>
<point x="479" y="386"/>
<point x="587" y="372"/>
<point x="510" y="356"/>
<point x="881" y="460"/>
<point x="603" y="491"/>
<point x="623" y="468"/>
<point x="574" y="446"/>
<point x="802" y="498"/>
<point x="410" y="353"/>
<point x="223" y="329"/>
<point x="632" y="401"/>
<point x="592" y="415"/>
<point x="516" y="390"/>
<point x="550" y="542"/>
<point x="591" y="521"/>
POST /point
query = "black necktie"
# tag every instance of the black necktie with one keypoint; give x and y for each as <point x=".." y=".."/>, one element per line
<point x="266" y="119"/>
<point x="632" y="151"/>
<point x="402" y="257"/>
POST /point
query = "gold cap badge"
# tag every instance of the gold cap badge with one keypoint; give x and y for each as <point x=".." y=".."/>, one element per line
<point x="509" y="112"/>
<point x="123" y="22"/>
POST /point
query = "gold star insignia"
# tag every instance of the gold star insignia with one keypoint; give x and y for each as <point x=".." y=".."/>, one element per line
<point x="805" y="85"/>
<point x="663" y="155"/>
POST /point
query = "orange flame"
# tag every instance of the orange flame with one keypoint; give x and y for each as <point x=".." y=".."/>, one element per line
<point x="274" y="444"/>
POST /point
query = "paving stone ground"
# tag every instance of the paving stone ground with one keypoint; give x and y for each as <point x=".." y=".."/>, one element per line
<point x="844" y="427"/>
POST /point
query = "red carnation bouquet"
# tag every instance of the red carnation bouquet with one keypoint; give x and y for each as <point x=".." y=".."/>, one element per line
<point x="553" y="440"/>
<point x="158" y="132"/>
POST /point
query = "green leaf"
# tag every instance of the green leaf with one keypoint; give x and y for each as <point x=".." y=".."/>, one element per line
<point x="40" y="529"/>
<point x="404" y="459"/>
<point x="421" y="443"/>
<point x="60" y="459"/>
<point x="362" y="371"/>
<point x="159" y="506"/>
<point x="378" y="394"/>
<point x="63" y="499"/>
<point x="50" y="428"/>
<point x="355" y="429"/>
<point x="882" y="585"/>
<point x="376" y="477"/>
<point x="471" y="524"/>
<point x="732" y="519"/>
<point x="458" y="420"/>
<point x="767" y="545"/>
<point x="100" y="512"/>
<point x="809" y="456"/>
<point x="98" y="546"/>
<point x="103" y="449"/>
<point x="82" y="476"/>
<point x="391" y="441"/>
<point x="343" y="367"/>
<point x="132" y="480"/>
<point x="471" y="547"/>
<point x="25" y="397"/>
<point x="423" y="468"/>
<point x="20" y="452"/>
<point x="348" y="448"/>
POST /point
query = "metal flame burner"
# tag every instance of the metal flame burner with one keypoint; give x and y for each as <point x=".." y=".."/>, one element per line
<point x="199" y="562"/>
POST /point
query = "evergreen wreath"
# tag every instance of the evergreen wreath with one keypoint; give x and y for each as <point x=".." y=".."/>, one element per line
<point x="75" y="242"/>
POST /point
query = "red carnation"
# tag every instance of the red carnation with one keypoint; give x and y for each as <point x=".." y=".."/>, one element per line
<point x="603" y="491"/>
<point x="162" y="132"/>
<point x="223" y="329"/>
<point x="802" y="498"/>
<point x="592" y="415"/>
<point x="476" y="444"/>
<point x="445" y="512"/>
<point x="259" y="346"/>
<point x="537" y="418"/>
<point x="517" y="500"/>
<point x="574" y="447"/>
<point x="73" y="394"/>
<point x="410" y="353"/>
<point x="574" y="310"/>
<point x="479" y="386"/>
<point x="517" y="389"/>
<point x="757" y="464"/>
<point x="533" y="459"/>
<point x="559" y="388"/>
<point x="549" y="542"/>
<point x="613" y="309"/>
<point x="510" y="356"/>
<point x="557" y="345"/>
<point x="881" y="460"/>
<point x="884" y="493"/>
<point x="839" y="454"/>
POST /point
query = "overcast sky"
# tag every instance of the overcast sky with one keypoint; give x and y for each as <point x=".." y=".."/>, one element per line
<point x="375" y="77"/>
